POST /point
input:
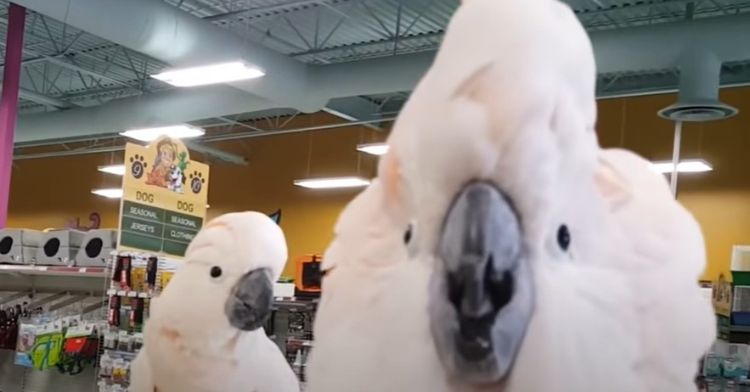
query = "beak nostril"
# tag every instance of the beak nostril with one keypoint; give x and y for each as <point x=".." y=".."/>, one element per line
<point x="501" y="292"/>
<point x="455" y="290"/>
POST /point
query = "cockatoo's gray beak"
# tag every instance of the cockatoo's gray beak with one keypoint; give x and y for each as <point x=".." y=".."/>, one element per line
<point x="249" y="303"/>
<point x="482" y="292"/>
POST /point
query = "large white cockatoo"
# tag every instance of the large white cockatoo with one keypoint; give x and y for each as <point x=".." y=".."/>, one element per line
<point x="500" y="249"/>
<point x="205" y="333"/>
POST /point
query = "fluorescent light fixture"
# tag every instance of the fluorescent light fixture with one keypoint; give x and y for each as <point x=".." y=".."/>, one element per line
<point x="374" y="148"/>
<point x="182" y="131"/>
<point x="332" y="182"/>
<point x="110" y="193"/>
<point x="686" y="166"/>
<point x="118" y="170"/>
<point x="209" y="74"/>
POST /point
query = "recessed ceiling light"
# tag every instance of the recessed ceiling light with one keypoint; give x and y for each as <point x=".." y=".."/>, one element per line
<point x="332" y="182"/>
<point x="374" y="148"/>
<point x="182" y="131"/>
<point x="118" y="170"/>
<point x="686" y="166"/>
<point x="209" y="74"/>
<point x="110" y="193"/>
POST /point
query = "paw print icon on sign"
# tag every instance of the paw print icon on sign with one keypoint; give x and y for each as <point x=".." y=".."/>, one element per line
<point x="196" y="181"/>
<point x="138" y="165"/>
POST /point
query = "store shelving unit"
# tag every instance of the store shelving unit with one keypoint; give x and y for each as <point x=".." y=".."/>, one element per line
<point x="122" y="339"/>
<point x="290" y="327"/>
<point x="60" y="291"/>
<point x="41" y="270"/>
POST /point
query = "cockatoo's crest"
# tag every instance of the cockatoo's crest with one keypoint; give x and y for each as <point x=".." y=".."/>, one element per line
<point x="473" y="83"/>
<point x="611" y="184"/>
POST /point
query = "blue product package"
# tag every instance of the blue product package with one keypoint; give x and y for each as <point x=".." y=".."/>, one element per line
<point x="712" y="365"/>
<point x="734" y="367"/>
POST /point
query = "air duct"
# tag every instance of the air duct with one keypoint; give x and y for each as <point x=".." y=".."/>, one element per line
<point x="698" y="96"/>
<point x="155" y="109"/>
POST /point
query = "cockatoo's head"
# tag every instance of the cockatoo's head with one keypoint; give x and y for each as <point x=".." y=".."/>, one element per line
<point x="229" y="270"/>
<point x="493" y="158"/>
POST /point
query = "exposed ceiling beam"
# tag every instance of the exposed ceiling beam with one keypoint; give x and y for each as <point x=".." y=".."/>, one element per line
<point x="354" y="109"/>
<point x="263" y="9"/>
<point x="173" y="36"/>
<point x="333" y="49"/>
<point x="210" y="152"/>
<point x="216" y="153"/>
<point x="178" y="38"/>
<point x="62" y="63"/>
<point x="46" y="100"/>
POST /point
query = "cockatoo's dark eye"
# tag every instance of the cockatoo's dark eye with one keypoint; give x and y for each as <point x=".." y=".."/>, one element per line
<point x="407" y="234"/>
<point x="563" y="237"/>
<point x="215" y="272"/>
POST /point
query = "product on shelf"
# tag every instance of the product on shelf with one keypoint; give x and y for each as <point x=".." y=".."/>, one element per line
<point x="96" y="247"/>
<point x="135" y="278"/>
<point x="19" y="246"/>
<point x="291" y="326"/>
<point x="47" y="340"/>
<point x="80" y="348"/>
<point x="9" y="318"/>
<point x="59" y="247"/>
<point x="308" y="277"/>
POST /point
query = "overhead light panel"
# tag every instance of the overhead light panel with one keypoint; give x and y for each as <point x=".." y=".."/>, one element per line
<point x="374" y="148"/>
<point x="181" y="131"/>
<point x="332" y="182"/>
<point x="110" y="193"/>
<point x="209" y="74"/>
<point x="686" y="166"/>
<point x="118" y="170"/>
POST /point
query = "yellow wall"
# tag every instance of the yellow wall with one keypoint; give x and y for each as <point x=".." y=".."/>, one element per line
<point x="48" y="192"/>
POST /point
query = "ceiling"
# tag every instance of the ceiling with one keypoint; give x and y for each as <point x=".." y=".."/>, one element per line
<point x="66" y="68"/>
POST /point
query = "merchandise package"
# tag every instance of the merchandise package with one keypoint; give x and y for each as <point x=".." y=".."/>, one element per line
<point x="39" y="345"/>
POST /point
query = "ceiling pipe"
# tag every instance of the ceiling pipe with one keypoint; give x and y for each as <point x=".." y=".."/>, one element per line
<point x="661" y="46"/>
<point x="156" y="109"/>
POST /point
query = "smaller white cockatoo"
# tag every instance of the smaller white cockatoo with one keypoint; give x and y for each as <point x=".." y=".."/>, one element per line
<point x="500" y="249"/>
<point x="205" y="333"/>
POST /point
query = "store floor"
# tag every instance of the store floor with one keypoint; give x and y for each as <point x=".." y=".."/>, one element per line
<point x="14" y="378"/>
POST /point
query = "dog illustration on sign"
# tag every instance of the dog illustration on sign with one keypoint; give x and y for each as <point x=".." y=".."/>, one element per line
<point x="169" y="167"/>
<point x="176" y="179"/>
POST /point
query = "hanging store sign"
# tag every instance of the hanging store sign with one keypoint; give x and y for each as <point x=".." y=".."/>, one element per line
<point x="164" y="198"/>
